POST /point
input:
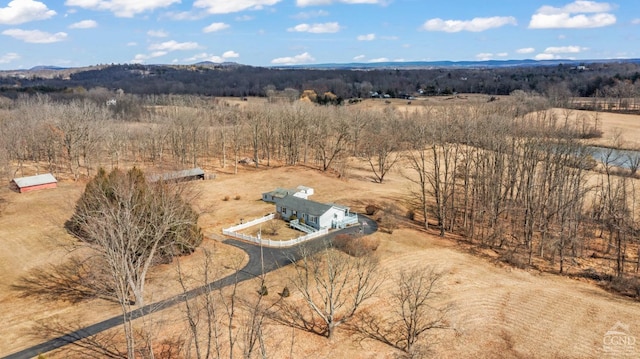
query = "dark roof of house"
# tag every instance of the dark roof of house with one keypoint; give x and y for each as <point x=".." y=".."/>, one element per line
<point x="280" y="192"/>
<point x="30" y="181"/>
<point x="177" y="175"/>
<point x="304" y="205"/>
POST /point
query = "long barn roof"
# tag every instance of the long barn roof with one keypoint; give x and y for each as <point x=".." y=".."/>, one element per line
<point x="23" y="182"/>
<point x="177" y="175"/>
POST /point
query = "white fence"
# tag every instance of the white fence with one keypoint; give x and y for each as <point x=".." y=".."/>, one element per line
<point x="231" y="232"/>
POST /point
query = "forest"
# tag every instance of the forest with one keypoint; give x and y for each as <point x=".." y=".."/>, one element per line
<point x="597" y="80"/>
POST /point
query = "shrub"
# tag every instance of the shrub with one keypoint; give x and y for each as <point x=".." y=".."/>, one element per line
<point x="273" y="227"/>
<point x="355" y="245"/>
<point x="237" y="197"/>
<point x="389" y="222"/>
<point x="285" y="292"/>
<point x="226" y="198"/>
<point x="371" y="209"/>
<point x="628" y="286"/>
<point x="411" y="215"/>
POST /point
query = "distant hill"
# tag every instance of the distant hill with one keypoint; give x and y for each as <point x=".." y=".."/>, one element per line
<point x="41" y="68"/>
<point x="455" y="64"/>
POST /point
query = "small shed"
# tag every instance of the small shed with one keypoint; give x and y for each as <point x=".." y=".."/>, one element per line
<point x="32" y="183"/>
<point x="179" y="176"/>
<point x="280" y="193"/>
<point x="277" y="194"/>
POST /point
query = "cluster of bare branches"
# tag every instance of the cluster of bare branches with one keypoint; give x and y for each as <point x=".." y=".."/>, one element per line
<point x="129" y="224"/>
<point x="332" y="287"/>
<point x="410" y="315"/>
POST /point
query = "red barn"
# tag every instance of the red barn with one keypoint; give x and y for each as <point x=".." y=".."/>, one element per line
<point x="32" y="183"/>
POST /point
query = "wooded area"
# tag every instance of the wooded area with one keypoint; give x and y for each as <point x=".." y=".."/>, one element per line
<point x="608" y="85"/>
<point x="514" y="175"/>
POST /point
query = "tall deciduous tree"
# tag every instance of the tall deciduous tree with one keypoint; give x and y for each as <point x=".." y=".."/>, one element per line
<point x="131" y="224"/>
<point x="333" y="286"/>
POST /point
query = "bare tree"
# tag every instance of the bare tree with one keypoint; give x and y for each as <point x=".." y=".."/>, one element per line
<point x="418" y="158"/>
<point x="411" y="312"/>
<point x="127" y="222"/>
<point x="329" y="137"/>
<point x="332" y="286"/>
<point x="381" y="145"/>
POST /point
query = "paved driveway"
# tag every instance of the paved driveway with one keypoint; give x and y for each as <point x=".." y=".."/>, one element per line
<point x="274" y="258"/>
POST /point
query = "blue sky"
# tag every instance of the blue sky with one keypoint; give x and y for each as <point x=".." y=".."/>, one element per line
<point x="73" y="33"/>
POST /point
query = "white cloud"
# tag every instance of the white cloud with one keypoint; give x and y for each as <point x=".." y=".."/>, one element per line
<point x="367" y="37"/>
<point x="84" y="24"/>
<point x="390" y="38"/>
<point x="526" y="50"/>
<point x="21" y="11"/>
<point x="122" y="8"/>
<point x="184" y="15"/>
<point x="380" y="59"/>
<point x="635" y="21"/>
<point x="328" y="27"/>
<point x="310" y="14"/>
<point x="484" y="56"/>
<point x="132" y="43"/>
<point x="559" y="52"/>
<point x="244" y="18"/>
<point x="230" y="54"/>
<point x="216" y="26"/>
<point x="564" y="50"/>
<point x="546" y="56"/>
<point x="576" y="15"/>
<point x="477" y="24"/>
<point x="140" y="58"/>
<point x="292" y="60"/>
<point x="213" y="58"/>
<point x="303" y="3"/>
<point x="231" y="6"/>
<point x="9" y="57"/>
<point x="157" y="33"/>
<point x="359" y="57"/>
<point x="173" y="45"/>
<point x="35" y="36"/>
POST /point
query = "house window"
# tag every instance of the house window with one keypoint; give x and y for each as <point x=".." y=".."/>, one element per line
<point x="313" y="219"/>
<point x="294" y="213"/>
<point x="284" y="210"/>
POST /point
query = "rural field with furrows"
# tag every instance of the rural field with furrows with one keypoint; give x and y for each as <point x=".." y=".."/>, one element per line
<point x="445" y="225"/>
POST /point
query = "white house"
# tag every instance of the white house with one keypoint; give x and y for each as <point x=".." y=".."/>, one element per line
<point x="280" y="193"/>
<point x="315" y="214"/>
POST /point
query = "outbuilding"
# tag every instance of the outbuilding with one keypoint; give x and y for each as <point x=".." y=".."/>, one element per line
<point x="32" y="183"/>
<point x="179" y="176"/>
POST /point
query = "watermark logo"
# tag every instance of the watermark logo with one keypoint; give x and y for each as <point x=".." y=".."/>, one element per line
<point x="618" y="340"/>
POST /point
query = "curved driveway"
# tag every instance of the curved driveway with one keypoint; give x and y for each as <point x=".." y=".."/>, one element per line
<point x="274" y="258"/>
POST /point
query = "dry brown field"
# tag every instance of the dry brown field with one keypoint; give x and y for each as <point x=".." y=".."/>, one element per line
<point x="496" y="310"/>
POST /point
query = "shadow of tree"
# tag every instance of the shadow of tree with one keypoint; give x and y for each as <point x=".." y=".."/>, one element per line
<point x="73" y="281"/>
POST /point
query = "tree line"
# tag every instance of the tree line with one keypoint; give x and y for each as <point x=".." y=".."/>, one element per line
<point x="598" y="80"/>
<point x="511" y="173"/>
